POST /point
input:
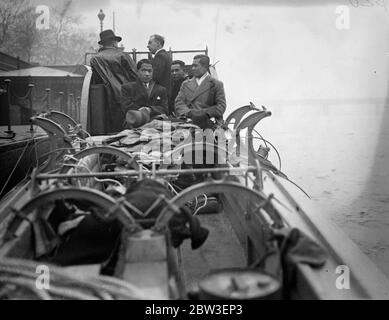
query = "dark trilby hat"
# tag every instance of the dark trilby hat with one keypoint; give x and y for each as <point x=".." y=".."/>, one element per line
<point x="106" y="35"/>
<point x="137" y="118"/>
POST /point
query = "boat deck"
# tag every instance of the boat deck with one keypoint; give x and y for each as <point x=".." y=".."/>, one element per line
<point x="22" y="134"/>
<point x="213" y="254"/>
<point x="20" y="152"/>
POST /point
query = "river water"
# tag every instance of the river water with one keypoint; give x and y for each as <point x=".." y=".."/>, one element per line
<point x="339" y="153"/>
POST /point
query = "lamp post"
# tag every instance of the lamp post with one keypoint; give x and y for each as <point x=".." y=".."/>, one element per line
<point x="101" y="16"/>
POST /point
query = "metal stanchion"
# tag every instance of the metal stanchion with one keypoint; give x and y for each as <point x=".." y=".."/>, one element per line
<point x="70" y="99"/>
<point x="8" y="106"/>
<point x="134" y="55"/>
<point x="78" y="107"/>
<point x="48" y="96"/>
<point x="61" y="104"/>
<point x="30" y="88"/>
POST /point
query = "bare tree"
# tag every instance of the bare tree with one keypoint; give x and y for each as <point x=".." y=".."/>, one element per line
<point x="25" y="36"/>
<point x="63" y="43"/>
<point x="66" y="42"/>
<point x="62" y="22"/>
<point x="9" y="13"/>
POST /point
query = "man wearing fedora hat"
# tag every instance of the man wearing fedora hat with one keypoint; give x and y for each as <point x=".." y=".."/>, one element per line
<point x="143" y="100"/>
<point x="112" y="68"/>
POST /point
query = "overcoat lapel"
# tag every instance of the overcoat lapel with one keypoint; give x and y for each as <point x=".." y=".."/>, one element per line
<point x="202" y="88"/>
<point x="191" y="87"/>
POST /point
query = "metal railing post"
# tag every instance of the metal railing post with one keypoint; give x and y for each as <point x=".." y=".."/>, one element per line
<point x="30" y="88"/>
<point x="61" y="106"/>
<point x="48" y="95"/>
<point x="70" y="100"/>
<point x="78" y="107"/>
<point x="8" y="106"/>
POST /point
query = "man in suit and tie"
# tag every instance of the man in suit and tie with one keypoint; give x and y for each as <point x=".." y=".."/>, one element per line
<point x="202" y="97"/>
<point x="143" y="99"/>
<point x="161" y="62"/>
<point x="178" y="76"/>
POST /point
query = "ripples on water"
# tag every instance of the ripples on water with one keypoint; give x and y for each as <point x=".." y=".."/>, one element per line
<point x="339" y="153"/>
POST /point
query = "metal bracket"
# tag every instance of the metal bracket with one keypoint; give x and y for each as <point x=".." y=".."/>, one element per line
<point x="59" y="140"/>
<point x="66" y="122"/>
<point x="101" y="150"/>
<point x="100" y="199"/>
<point x="185" y="151"/>
<point x="252" y="120"/>
<point x="249" y="123"/>
<point x="239" y="113"/>
<point x="206" y="187"/>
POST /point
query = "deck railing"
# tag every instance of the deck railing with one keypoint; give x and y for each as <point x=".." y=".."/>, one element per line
<point x="68" y="104"/>
<point x="134" y="53"/>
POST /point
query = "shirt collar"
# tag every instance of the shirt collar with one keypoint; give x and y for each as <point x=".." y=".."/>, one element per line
<point x="200" y="80"/>
<point x="148" y="84"/>
<point x="106" y="48"/>
<point x="158" y="51"/>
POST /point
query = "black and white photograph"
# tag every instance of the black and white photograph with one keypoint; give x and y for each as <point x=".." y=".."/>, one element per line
<point x="194" y="150"/>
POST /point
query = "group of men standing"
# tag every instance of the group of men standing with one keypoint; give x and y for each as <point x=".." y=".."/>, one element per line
<point x="155" y="88"/>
